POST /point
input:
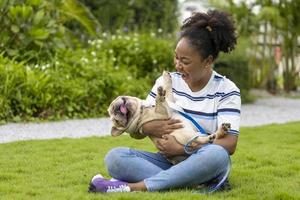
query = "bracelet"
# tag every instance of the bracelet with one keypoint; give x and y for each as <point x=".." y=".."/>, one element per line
<point x="187" y="145"/>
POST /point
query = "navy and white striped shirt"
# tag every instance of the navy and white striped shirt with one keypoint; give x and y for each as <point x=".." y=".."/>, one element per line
<point x="218" y="102"/>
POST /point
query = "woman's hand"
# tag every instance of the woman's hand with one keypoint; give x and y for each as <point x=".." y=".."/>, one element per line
<point x="169" y="146"/>
<point x="158" y="128"/>
<point x="229" y="142"/>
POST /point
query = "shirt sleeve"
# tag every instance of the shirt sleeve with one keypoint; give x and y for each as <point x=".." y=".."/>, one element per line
<point x="150" y="100"/>
<point x="229" y="111"/>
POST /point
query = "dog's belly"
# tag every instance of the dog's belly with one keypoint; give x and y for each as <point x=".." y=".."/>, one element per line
<point x="185" y="134"/>
<point x="182" y="135"/>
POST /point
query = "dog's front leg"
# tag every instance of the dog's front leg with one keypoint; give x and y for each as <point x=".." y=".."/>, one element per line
<point x="161" y="104"/>
<point x="168" y="86"/>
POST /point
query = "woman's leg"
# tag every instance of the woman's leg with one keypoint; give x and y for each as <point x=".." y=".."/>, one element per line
<point x="132" y="165"/>
<point x="204" y="165"/>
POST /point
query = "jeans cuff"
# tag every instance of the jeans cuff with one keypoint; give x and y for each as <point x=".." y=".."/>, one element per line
<point x="148" y="185"/>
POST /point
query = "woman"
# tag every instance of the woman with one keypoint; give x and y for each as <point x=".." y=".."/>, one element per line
<point x="211" y="99"/>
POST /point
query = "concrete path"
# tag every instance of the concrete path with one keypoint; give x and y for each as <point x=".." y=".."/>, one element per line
<point x="263" y="111"/>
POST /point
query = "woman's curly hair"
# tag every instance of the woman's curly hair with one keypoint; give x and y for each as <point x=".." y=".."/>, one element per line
<point x="210" y="32"/>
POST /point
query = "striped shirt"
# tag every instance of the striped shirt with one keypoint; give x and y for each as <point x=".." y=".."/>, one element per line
<point x="218" y="102"/>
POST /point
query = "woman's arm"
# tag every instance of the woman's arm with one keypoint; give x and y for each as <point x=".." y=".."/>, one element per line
<point x="169" y="146"/>
<point x="229" y="142"/>
<point x="229" y="111"/>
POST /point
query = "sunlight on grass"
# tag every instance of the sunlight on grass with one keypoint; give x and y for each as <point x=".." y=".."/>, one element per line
<point x="265" y="166"/>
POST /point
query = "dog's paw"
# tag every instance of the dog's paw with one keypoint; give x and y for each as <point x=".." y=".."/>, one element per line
<point x="161" y="92"/>
<point x="226" y="127"/>
<point x="211" y="138"/>
<point x="167" y="78"/>
<point x="166" y="75"/>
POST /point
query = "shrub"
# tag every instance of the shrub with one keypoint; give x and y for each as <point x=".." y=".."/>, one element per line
<point x="141" y="54"/>
<point x="35" y="29"/>
<point x="82" y="82"/>
<point x="141" y="15"/>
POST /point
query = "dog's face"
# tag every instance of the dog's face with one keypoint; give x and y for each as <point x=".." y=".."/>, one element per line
<point x="122" y="111"/>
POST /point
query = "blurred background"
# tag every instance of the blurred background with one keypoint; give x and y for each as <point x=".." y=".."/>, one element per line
<point x="62" y="59"/>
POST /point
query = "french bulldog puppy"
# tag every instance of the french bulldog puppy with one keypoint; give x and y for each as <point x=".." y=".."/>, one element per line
<point x="128" y="114"/>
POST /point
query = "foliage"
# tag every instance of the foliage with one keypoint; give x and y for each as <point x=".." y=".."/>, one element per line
<point x="276" y="24"/>
<point x="133" y="15"/>
<point x="62" y="168"/>
<point x="73" y="9"/>
<point x="34" y="29"/>
<point x="141" y="54"/>
<point x="48" y="73"/>
<point x="81" y="83"/>
<point x="235" y="66"/>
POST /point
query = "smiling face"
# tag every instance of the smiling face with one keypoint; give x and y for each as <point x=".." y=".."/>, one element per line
<point x="122" y="111"/>
<point x="195" y="70"/>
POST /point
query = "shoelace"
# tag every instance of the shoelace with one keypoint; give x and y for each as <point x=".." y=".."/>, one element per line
<point x="120" y="188"/>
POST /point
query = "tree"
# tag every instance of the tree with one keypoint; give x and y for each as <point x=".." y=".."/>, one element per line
<point x="279" y="21"/>
<point x="33" y="29"/>
<point x="284" y="20"/>
<point x="135" y="15"/>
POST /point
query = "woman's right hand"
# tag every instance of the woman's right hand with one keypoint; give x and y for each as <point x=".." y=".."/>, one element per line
<point x="158" y="128"/>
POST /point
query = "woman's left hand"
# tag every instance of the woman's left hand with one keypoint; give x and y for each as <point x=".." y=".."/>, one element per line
<point x="169" y="146"/>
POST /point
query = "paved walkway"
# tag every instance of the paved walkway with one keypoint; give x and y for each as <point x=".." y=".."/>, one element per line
<point x="263" y="111"/>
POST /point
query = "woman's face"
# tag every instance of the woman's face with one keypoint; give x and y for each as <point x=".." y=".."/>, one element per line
<point x="195" y="70"/>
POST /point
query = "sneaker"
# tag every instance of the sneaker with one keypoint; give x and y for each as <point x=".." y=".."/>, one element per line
<point x="212" y="186"/>
<point x="225" y="186"/>
<point x="113" y="179"/>
<point x="100" y="184"/>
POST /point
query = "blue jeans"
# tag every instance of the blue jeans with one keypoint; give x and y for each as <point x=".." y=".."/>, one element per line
<point x="158" y="173"/>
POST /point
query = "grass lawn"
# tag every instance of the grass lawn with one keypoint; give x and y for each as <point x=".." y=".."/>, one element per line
<point x="266" y="165"/>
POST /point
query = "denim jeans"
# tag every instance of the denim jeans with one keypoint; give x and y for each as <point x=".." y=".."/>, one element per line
<point x="158" y="173"/>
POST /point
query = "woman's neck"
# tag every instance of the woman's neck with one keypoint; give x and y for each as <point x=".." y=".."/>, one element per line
<point x="199" y="85"/>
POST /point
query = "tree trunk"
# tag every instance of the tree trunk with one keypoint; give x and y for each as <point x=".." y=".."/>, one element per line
<point x="290" y="69"/>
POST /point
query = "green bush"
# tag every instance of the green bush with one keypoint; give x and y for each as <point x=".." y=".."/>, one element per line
<point x="141" y="15"/>
<point x="67" y="90"/>
<point x="82" y="82"/>
<point x="141" y="54"/>
<point x="32" y="30"/>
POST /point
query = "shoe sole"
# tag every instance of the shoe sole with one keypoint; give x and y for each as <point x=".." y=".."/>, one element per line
<point x="92" y="188"/>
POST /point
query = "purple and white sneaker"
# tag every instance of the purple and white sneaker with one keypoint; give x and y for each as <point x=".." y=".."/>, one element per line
<point x="100" y="184"/>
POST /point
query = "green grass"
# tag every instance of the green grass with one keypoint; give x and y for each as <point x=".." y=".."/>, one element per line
<point x="266" y="165"/>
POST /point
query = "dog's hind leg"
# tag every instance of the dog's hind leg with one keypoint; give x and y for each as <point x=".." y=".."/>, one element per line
<point x="225" y="127"/>
<point x="222" y="130"/>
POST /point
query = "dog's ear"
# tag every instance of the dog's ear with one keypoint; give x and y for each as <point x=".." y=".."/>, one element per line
<point x="115" y="132"/>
